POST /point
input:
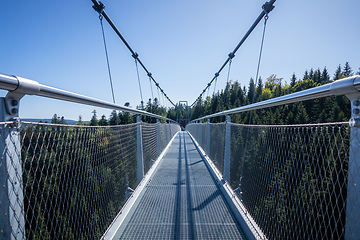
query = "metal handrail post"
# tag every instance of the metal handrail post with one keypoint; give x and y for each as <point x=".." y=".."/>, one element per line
<point x="227" y="150"/>
<point x="208" y="137"/>
<point x="352" y="229"/>
<point x="140" y="155"/>
<point x="170" y="128"/>
<point x="201" y="135"/>
<point x="12" y="222"/>
<point x="158" y="140"/>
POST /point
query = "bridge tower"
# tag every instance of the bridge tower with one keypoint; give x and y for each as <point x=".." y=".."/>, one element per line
<point x="182" y="116"/>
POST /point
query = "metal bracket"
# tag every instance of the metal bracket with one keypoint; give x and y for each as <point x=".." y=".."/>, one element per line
<point x="12" y="98"/>
<point x="355" y="113"/>
<point x="267" y="7"/>
<point x="135" y="55"/>
<point x="231" y="55"/>
<point x="353" y="94"/>
<point x="99" y="8"/>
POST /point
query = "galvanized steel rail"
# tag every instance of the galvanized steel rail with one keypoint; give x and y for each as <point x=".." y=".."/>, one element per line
<point x="347" y="86"/>
<point x="18" y="87"/>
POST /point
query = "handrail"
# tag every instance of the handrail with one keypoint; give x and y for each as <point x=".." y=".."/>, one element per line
<point x="25" y="86"/>
<point x="346" y="86"/>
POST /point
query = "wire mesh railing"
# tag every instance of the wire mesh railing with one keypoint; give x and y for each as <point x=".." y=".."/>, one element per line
<point x="74" y="178"/>
<point x="149" y="132"/>
<point x="293" y="179"/>
<point x="153" y="145"/>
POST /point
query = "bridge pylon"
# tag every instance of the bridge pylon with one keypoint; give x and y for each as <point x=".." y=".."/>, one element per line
<point x="182" y="116"/>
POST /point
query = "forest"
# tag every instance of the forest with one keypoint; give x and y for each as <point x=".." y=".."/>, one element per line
<point x="50" y="151"/>
<point x="331" y="109"/>
<point x="286" y="176"/>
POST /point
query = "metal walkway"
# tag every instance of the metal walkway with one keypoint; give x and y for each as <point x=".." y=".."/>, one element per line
<point x="182" y="201"/>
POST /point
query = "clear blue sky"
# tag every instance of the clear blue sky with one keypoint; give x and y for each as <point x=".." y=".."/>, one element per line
<point x="183" y="43"/>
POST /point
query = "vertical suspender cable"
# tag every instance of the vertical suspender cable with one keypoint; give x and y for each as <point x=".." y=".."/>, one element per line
<point x="258" y="66"/>
<point x="138" y="77"/>
<point x="228" y="75"/>
<point x="107" y="57"/>
<point x="159" y="100"/>
<point x="227" y="83"/>
<point x="152" y="94"/>
<point x="248" y="131"/>
<point x="215" y="86"/>
<point x="113" y="96"/>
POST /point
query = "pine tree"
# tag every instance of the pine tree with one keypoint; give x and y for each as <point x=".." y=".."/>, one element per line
<point x="293" y="80"/>
<point x="338" y="73"/>
<point x="103" y="121"/>
<point x="301" y="116"/>
<point x="358" y="72"/>
<point x="114" y="119"/>
<point x="311" y="74"/>
<point x="79" y="122"/>
<point x="306" y="75"/>
<point x="347" y="72"/>
<point x="58" y="120"/>
<point x="259" y="90"/>
<point x="250" y="93"/>
<point x="325" y="77"/>
<point x="55" y="119"/>
<point x="94" y="120"/>
<point x="62" y="120"/>
<point x="317" y="76"/>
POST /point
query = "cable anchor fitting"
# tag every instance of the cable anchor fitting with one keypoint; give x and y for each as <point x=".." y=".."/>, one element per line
<point x="99" y="8"/>
<point x="135" y="56"/>
<point x="267" y="7"/>
<point x="231" y="55"/>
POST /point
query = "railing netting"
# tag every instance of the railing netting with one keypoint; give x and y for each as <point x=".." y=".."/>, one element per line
<point x="74" y="178"/>
<point x="292" y="179"/>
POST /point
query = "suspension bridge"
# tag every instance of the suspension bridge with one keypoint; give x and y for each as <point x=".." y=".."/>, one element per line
<point x="154" y="181"/>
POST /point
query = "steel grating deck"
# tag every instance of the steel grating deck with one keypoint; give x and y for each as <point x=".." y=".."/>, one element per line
<point x="182" y="201"/>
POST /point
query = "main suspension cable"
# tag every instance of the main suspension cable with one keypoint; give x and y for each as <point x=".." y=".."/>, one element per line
<point x="99" y="7"/>
<point x="267" y="8"/>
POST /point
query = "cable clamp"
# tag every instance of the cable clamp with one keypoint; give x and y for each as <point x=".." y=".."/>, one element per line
<point x="231" y="55"/>
<point x="149" y="74"/>
<point x="267" y="7"/>
<point x="135" y="55"/>
<point x="99" y="8"/>
<point x="216" y="74"/>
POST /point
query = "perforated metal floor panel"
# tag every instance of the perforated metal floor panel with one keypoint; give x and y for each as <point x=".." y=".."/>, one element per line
<point x="182" y="201"/>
